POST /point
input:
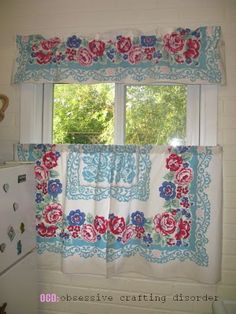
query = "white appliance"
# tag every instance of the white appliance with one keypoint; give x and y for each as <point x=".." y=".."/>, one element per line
<point x="18" y="292"/>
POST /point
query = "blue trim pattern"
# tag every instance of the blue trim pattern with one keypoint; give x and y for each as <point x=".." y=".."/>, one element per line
<point x="122" y="170"/>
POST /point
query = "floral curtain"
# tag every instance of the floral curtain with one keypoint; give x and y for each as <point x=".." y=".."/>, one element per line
<point x="107" y="209"/>
<point x="181" y="55"/>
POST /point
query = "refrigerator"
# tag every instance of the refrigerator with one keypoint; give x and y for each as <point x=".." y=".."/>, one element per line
<point x="18" y="282"/>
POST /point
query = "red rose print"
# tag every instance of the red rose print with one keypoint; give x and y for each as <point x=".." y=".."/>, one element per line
<point x="135" y="55"/>
<point x="34" y="48"/>
<point x="43" y="58"/>
<point x="100" y="224"/>
<point x="50" y="160"/>
<point x="193" y="44"/>
<point x="128" y="233"/>
<point x="193" y="48"/>
<point x="179" y="59"/>
<point x="139" y="232"/>
<point x="184" y="176"/>
<point x="184" y="230"/>
<point x="124" y="44"/>
<point x="71" y="54"/>
<point x="174" y="162"/>
<point x="43" y="187"/>
<point x="149" y="53"/>
<point x="44" y="231"/>
<point x="74" y="231"/>
<point x="41" y="173"/>
<point x="117" y="225"/>
<point x="97" y="47"/>
<point x="73" y="228"/>
<point x="165" y="223"/>
<point x="51" y="43"/>
<point x="52" y="213"/>
<point x="173" y="42"/>
<point x="88" y="233"/>
<point x="84" y="57"/>
<point x="170" y="241"/>
<point x="181" y="190"/>
<point x="75" y="234"/>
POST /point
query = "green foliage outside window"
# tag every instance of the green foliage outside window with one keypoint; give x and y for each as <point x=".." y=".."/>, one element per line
<point x="85" y="113"/>
<point x="82" y="113"/>
<point x="155" y="114"/>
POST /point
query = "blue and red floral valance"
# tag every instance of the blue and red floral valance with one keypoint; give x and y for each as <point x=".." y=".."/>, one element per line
<point x="183" y="55"/>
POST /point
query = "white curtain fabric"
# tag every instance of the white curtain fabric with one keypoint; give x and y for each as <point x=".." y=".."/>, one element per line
<point x="149" y="210"/>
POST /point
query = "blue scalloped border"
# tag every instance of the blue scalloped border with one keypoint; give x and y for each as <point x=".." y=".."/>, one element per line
<point x="76" y="190"/>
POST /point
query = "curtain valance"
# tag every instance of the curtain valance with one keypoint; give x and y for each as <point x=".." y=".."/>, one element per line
<point x="180" y="56"/>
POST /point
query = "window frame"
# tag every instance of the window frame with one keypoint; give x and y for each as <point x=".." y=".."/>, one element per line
<point x="36" y="114"/>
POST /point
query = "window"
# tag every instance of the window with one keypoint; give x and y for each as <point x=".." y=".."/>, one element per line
<point x="83" y="113"/>
<point x="118" y="113"/>
<point x="155" y="114"/>
<point x="152" y="114"/>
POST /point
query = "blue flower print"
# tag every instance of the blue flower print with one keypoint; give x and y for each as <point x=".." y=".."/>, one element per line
<point x="182" y="149"/>
<point x="111" y="216"/>
<point x="158" y="54"/>
<point x="57" y="154"/>
<point x="147" y="239"/>
<point x="73" y="42"/>
<point x="167" y="190"/>
<point x="64" y="235"/>
<point x="38" y="198"/>
<point x="54" y="187"/>
<point x="178" y="242"/>
<point x="76" y="218"/>
<point x="110" y="54"/>
<point x="41" y="147"/>
<point x="138" y="219"/>
<point x="148" y="41"/>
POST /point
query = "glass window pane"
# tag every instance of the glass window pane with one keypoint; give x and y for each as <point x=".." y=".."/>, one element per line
<point x="156" y="114"/>
<point x="83" y="113"/>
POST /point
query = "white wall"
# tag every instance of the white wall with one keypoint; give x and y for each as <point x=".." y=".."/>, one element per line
<point x="56" y="17"/>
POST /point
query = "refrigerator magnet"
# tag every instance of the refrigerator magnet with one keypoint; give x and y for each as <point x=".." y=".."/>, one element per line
<point x="22" y="227"/>
<point x="11" y="233"/>
<point x="15" y="206"/>
<point x="6" y="187"/>
<point x="19" y="247"/>
<point x="2" y="247"/>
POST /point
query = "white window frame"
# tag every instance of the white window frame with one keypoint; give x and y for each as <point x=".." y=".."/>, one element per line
<point x="37" y="108"/>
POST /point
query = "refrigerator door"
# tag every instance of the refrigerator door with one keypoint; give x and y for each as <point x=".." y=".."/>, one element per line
<point x="18" y="287"/>
<point x="17" y="213"/>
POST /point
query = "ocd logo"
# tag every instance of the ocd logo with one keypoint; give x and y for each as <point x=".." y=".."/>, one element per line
<point x="49" y="297"/>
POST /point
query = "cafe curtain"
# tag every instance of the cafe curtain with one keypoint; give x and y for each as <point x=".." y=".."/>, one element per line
<point x="110" y="209"/>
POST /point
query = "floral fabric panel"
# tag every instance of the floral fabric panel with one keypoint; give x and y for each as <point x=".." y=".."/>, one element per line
<point x="183" y="55"/>
<point x="166" y="218"/>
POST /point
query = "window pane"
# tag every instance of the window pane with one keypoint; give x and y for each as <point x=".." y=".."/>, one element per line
<point x="156" y="114"/>
<point x="83" y="113"/>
